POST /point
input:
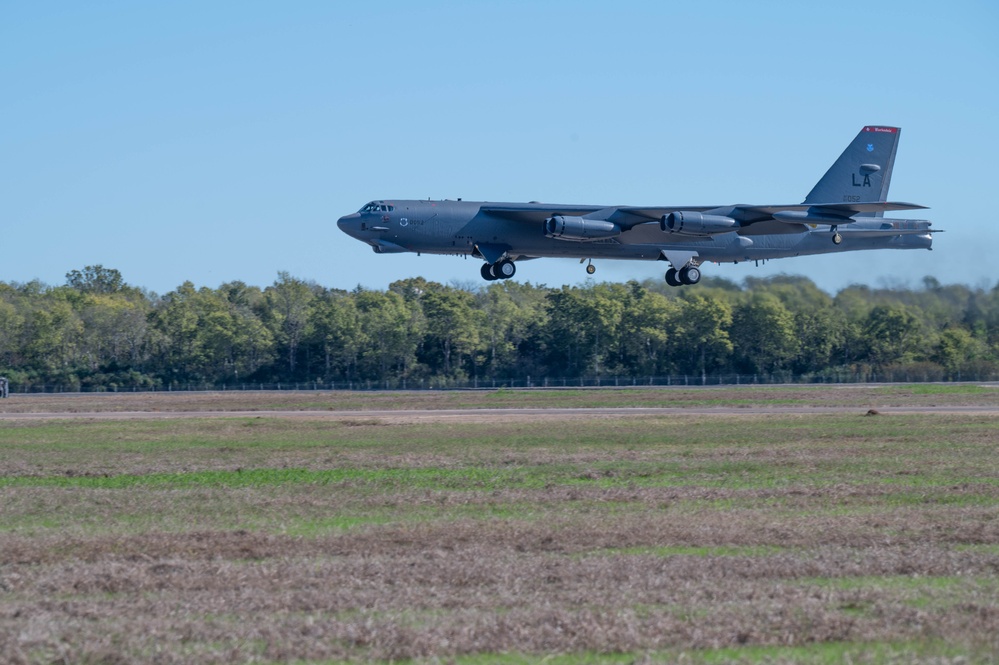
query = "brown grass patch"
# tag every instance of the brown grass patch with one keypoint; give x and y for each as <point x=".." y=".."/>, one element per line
<point x="642" y="536"/>
<point x="828" y="395"/>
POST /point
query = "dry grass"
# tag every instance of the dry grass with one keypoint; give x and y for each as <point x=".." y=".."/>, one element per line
<point x="643" y="538"/>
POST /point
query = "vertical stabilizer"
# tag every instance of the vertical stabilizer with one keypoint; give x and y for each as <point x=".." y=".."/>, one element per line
<point x="863" y="172"/>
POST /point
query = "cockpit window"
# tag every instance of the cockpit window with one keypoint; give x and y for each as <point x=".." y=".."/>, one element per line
<point x="375" y="206"/>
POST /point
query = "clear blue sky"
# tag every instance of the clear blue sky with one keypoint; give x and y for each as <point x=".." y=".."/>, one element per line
<point x="216" y="141"/>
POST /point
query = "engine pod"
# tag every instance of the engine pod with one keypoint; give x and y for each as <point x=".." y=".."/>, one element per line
<point x="566" y="227"/>
<point x="696" y="223"/>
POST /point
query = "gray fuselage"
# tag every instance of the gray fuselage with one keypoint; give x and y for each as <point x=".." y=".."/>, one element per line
<point x="843" y="212"/>
<point x="463" y="228"/>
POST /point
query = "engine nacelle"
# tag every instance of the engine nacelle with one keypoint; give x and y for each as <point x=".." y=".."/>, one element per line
<point x="696" y="223"/>
<point x="580" y="228"/>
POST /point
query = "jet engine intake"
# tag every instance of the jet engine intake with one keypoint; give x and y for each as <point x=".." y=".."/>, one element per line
<point x="696" y="223"/>
<point x="385" y="247"/>
<point x="580" y="228"/>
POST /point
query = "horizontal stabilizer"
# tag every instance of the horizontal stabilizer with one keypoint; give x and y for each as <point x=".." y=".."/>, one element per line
<point x="889" y="227"/>
<point x="836" y="209"/>
<point x="885" y="233"/>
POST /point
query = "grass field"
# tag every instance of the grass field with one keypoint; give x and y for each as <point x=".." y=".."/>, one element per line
<point x="792" y="537"/>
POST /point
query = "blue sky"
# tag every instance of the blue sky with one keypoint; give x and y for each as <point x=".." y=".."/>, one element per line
<point x="220" y="141"/>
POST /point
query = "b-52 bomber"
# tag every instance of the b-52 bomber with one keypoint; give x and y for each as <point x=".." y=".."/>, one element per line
<point x="843" y="212"/>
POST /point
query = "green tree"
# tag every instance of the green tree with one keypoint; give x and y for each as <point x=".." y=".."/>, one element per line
<point x="822" y="337"/>
<point x="11" y="323"/>
<point x="288" y="302"/>
<point x="178" y="349"/>
<point x="763" y="335"/>
<point x="700" y="334"/>
<point x="114" y="329"/>
<point x="96" y="279"/>
<point x="797" y="294"/>
<point x="392" y="333"/>
<point x="201" y="335"/>
<point x="512" y="328"/>
<point x="250" y="346"/>
<point x="336" y="332"/>
<point x="50" y="336"/>
<point x="583" y="328"/>
<point x="644" y="337"/>
<point x="452" y="326"/>
<point x="893" y="335"/>
<point x="960" y="353"/>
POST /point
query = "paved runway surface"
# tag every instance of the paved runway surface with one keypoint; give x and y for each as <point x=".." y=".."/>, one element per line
<point x="500" y="414"/>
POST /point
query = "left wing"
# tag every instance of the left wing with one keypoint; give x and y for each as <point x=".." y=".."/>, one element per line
<point x="536" y="212"/>
<point x="624" y="216"/>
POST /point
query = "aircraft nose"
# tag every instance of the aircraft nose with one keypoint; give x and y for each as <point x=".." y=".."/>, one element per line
<point x="349" y="224"/>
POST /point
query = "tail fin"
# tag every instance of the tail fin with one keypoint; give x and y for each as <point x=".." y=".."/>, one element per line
<point x="863" y="172"/>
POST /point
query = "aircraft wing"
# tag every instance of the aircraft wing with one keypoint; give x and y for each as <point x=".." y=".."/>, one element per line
<point x="657" y="212"/>
<point x="536" y="212"/>
<point x="628" y="216"/>
<point x="625" y="216"/>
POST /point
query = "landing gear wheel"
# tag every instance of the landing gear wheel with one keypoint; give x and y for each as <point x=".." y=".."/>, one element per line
<point x="505" y="269"/>
<point x="590" y="269"/>
<point x="837" y="238"/>
<point x="671" y="278"/>
<point x="487" y="272"/>
<point x="690" y="275"/>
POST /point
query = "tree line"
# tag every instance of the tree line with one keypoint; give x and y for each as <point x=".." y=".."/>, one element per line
<point x="96" y="331"/>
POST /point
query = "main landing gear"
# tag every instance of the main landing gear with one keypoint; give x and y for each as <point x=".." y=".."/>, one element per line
<point x="837" y="238"/>
<point x="689" y="274"/>
<point x="504" y="269"/>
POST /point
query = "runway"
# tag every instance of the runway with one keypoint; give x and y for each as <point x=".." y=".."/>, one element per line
<point x="496" y="414"/>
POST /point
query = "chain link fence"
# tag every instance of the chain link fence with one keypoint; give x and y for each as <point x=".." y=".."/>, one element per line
<point x="437" y="383"/>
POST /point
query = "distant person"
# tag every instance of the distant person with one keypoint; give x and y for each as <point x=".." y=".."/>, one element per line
<point x="4" y="386"/>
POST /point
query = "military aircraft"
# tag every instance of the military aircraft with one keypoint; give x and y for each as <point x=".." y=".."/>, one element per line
<point x="843" y="212"/>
